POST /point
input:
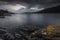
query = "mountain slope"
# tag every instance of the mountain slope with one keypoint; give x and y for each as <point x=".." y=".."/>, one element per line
<point x="51" y="10"/>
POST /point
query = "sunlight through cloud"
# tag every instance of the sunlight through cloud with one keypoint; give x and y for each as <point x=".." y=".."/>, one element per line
<point x="16" y="7"/>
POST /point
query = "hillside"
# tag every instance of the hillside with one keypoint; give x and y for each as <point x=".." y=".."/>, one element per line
<point x="51" y="10"/>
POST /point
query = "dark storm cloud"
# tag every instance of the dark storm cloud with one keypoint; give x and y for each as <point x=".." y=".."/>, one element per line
<point x="34" y="1"/>
<point x="31" y="5"/>
<point x="19" y="7"/>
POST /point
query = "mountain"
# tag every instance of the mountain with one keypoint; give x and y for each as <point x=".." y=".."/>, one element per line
<point x="4" y="13"/>
<point x="51" y="10"/>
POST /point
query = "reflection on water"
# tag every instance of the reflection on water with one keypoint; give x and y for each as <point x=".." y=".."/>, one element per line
<point x="13" y="20"/>
<point x="17" y="31"/>
<point x="17" y="19"/>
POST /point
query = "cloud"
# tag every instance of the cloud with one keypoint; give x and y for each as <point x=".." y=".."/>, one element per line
<point x="19" y="8"/>
<point x="26" y="7"/>
<point x="34" y="1"/>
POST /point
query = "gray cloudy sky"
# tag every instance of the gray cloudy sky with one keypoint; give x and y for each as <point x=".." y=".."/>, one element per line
<point x="34" y="1"/>
<point x="19" y="6"/>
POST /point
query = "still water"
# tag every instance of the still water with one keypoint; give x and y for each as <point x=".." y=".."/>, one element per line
<point x="18" y="19"/>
